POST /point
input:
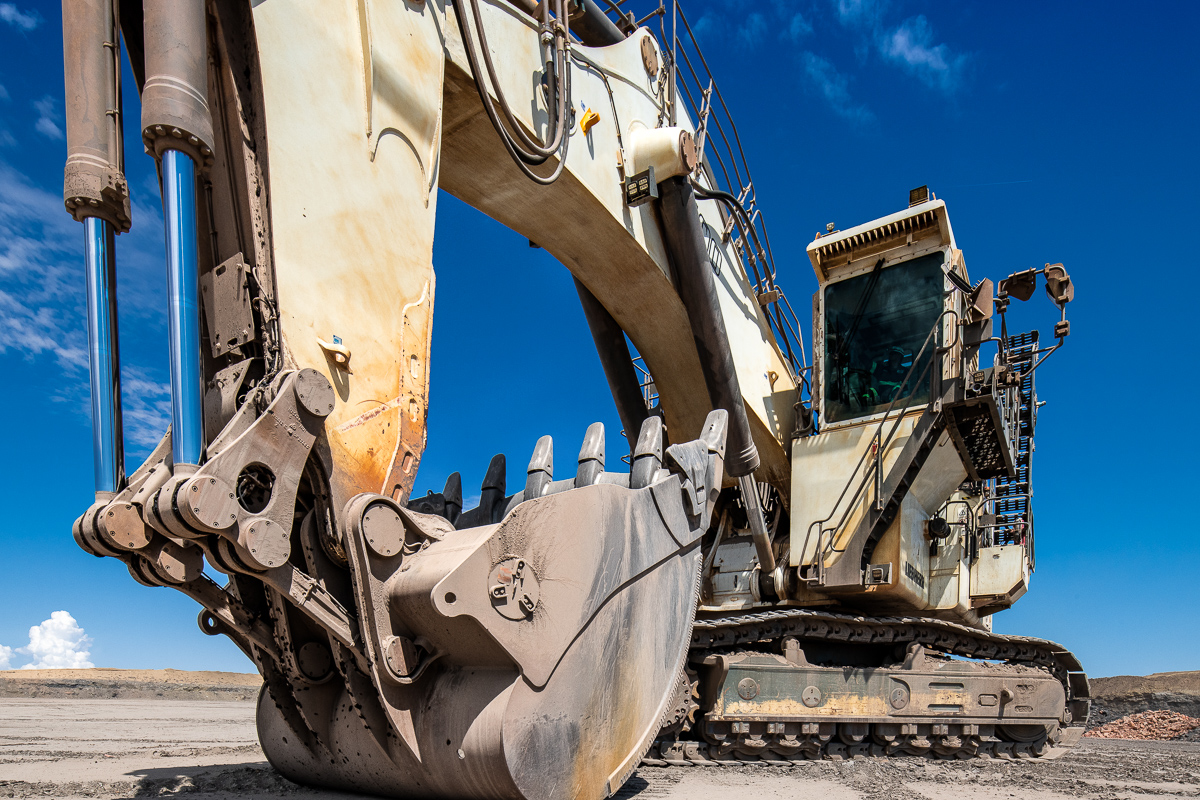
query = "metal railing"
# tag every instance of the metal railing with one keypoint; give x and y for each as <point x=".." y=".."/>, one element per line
<point x="872" y="475"/>
<point x="646" y="382"/>
<point x="1008" y="502"/>
<point x="722" y="171"/>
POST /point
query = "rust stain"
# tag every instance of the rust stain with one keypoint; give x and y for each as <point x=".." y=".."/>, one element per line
<point x="835" y="705"/>
<point x="415" y="332"/>
<point x="367" y="416"/>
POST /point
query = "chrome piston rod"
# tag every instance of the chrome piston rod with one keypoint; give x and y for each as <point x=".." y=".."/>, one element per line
<point x="177" y="128"/>
<point x="183" y="315"/>
<point x="108" y="449"/>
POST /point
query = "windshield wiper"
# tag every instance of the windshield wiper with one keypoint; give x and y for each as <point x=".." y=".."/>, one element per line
<point x="859" y="310"/>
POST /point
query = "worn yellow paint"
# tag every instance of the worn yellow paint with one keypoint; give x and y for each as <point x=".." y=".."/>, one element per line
<point x="352" y="212"/>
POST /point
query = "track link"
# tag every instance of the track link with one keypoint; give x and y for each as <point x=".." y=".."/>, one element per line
<point x="782" y="744"/>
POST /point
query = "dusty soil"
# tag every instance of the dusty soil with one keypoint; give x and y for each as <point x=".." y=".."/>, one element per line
<point x="60" y="741"/>
<point x="207" y="750"/>
<point x="129" y="684"/>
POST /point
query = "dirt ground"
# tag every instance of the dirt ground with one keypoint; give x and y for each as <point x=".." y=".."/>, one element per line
<point x="77" y="746"/>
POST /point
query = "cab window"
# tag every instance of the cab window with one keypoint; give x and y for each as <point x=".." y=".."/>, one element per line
<point x="875" y="325"/>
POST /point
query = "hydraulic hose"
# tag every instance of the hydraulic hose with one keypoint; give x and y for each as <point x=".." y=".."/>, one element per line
<point x="698" y="290"/>
<point x="618" y="366"/>
<point x="524" y="150"/>
<point x="768" y="278"/>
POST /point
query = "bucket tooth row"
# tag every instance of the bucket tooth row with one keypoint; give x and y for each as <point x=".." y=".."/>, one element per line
<point x="495" y="504"/>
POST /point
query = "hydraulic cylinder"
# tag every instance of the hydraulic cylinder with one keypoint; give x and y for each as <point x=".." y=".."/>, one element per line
<point x="108" y="451"/>
<point x="697" y="288"/>
<point x="95" y="193"/>
<point x="617" y="363"/>
<point x="183" y="309"/>
<point x="177" y="128"/>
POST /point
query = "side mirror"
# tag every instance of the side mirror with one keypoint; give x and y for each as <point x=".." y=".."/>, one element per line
<point x="1020" y="285"/>
<point x="1058" y="285"/>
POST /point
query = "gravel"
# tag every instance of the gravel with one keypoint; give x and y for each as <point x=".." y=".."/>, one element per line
<point x="1147" y="725"/>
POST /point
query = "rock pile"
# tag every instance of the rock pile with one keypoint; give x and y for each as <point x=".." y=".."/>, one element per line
<point x="1161" y="725"/>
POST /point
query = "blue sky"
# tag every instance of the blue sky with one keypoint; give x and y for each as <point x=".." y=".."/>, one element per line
<point x="1054" y="132"/>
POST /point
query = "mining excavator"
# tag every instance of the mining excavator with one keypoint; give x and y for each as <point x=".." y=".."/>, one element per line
<point x="791" y="560"/>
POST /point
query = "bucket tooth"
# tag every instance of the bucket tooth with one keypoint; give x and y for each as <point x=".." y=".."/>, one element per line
<point x="491" y="497"/>
<point x="492" y="490"/>
<point x="647" y="455"/>
<point x="591" y="456"/>
<point x="446" y="504"/>
<point x="541" y="468"/>
<point x="453" y="495"/>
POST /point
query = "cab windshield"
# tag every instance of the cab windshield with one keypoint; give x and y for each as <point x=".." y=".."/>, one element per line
<point x="875" y="325"/>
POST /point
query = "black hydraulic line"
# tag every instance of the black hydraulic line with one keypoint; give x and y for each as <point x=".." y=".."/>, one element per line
<point x="618" y="365"/>
<point x="698" y="290"/>
<point x="557" y="105"/>
<point x="562" y="90"/>
<point x="738" y="211"/>
<point x="594" y="28"/>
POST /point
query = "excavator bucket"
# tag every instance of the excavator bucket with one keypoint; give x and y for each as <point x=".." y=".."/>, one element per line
<point x="534" y="658"/>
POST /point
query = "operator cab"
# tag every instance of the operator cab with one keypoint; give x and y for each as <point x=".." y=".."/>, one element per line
<point x="886" y="341"/>
<point x="883" y="289"/>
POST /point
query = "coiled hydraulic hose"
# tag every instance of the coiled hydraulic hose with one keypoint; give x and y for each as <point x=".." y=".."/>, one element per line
<point x="525" y="150"/>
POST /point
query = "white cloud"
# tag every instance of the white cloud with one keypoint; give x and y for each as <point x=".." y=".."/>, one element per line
<point x="47" y="121"/>
<point x="6" y="654"/>
<point x="835" y="88"/>
<point x="58" y="643"/>
<point x="145" y="407"/>
<point x="859" y="12"/>
<point x="799" y="26"/>
<point x="754" y="28"/>
<point x="36" y="239"/>
<point x="705" y="26"/>
<point x="6" y="137"/>
<point x="40" y="306"/>
<point x="21" y="20"/>
<point x="911" y="45"/>
<point x="779" y="18"/>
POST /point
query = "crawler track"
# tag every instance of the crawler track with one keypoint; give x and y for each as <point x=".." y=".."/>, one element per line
<point x="783" y="743"/>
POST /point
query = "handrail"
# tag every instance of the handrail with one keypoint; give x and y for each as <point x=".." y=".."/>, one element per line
<point x="875" y="470"/>
<point x="722" y="167"/>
